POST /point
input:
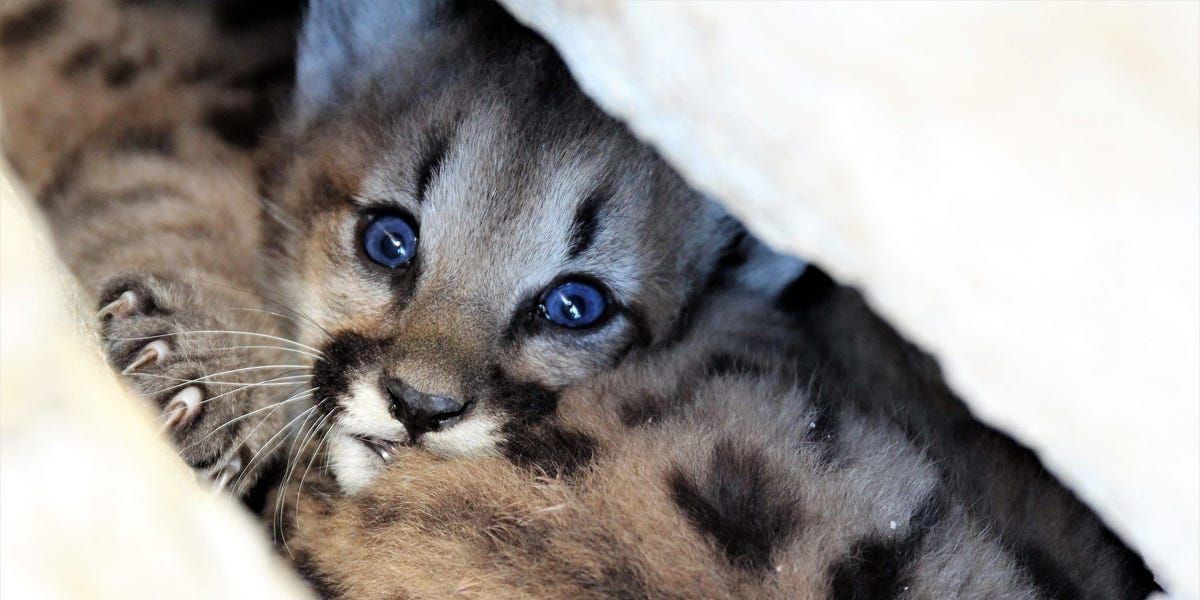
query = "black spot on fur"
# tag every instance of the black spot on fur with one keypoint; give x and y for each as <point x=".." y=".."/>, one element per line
<point x="526" y="403"/>
<point x="723" y="364"/>
<point x="642" y="412"/>
<point x="549" y="448"/>
<point x="120" y="73"/>
<point x="261" y="77"/>
<point x="379" y="513"/>
<point x="147" y="140"/>
<point x="586" y="223"/>
<point x="1047" y="577"/>
<point x="321" y="583"/>
<point x="239" y="15"/>
<point x="270" y="476"/>
<point x="812" y="286"/>
<point x="241" y="126"/>
<point x="620" y="581"/>
<point x="27" y="27"/>
<point x="825" y="422"/>
<point x="738" y="504"/>
<point x="877" y="568"/>
<point x="81" y="59"/>
<point x="531" y="441"/>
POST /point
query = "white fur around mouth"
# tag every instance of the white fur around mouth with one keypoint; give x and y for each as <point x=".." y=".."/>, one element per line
<point x="356" y="462"/>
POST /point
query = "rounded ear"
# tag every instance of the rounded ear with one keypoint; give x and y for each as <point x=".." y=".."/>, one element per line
<point x="754" y="265"/>
<point x="345" y="44"/>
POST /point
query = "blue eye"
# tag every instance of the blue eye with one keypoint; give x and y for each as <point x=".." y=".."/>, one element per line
<point x="390" y="241"/>
<point x="574" y="304"/>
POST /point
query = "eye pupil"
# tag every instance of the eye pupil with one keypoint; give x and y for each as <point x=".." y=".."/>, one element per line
<point x="574" y="304"/>
<point x="390" y="241"/>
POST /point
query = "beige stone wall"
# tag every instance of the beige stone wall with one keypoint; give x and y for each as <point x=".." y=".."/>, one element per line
<point x="1015" y="185"/>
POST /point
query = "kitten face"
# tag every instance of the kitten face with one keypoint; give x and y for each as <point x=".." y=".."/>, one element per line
<point x="470" y="246"/>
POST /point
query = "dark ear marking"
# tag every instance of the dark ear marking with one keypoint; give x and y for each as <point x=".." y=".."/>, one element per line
<point x="587" y="222"/>
<point x="810" y="288"/>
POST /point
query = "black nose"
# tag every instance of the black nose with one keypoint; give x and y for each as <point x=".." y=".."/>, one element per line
<point x="421" y="412"/>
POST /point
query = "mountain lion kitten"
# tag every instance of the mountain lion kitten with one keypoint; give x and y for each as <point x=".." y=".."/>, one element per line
<point x="529" y="359"/>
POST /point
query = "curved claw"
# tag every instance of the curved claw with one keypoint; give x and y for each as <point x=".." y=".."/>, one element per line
<point x="182" y="407"/>
<point x="227" y="473"/>
<point x="153" y="352"/>
<point x="123" y="306"/>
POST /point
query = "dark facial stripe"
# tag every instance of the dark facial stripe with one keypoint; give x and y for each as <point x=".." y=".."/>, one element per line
<point x="586" y="223"/>
<point x="548" y="448"/>
<point x="877" y="569"/>
<point x="738" y="504"/>
<point x="435" y="154"/>
<point x="347" y="351"/>
<point x="26" y="27"/>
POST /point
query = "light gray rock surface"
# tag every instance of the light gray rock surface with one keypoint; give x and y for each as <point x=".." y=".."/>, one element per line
<point x="1016" y="186"/>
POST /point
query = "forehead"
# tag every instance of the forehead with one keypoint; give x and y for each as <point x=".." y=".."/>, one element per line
<point x="498" y="193"/>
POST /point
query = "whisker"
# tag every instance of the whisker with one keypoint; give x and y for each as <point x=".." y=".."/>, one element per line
<point x="265" y="297"/>
<point x="220" y="332"/>
<point x="288" y="465"/>
<point x="282" y="499"/>
<point x="292" y="395"/>
<point x="306" y="414"/>
<point x="285" y="376"/>
<point x="265" y="312"/>
<point x="300" y="487"/>
<point x="251" y="347"/>
<point x="205" y="379"/>
<point x="293" y="398"/>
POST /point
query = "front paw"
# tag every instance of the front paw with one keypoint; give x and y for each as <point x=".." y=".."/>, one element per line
<point x="221" y="380"/>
